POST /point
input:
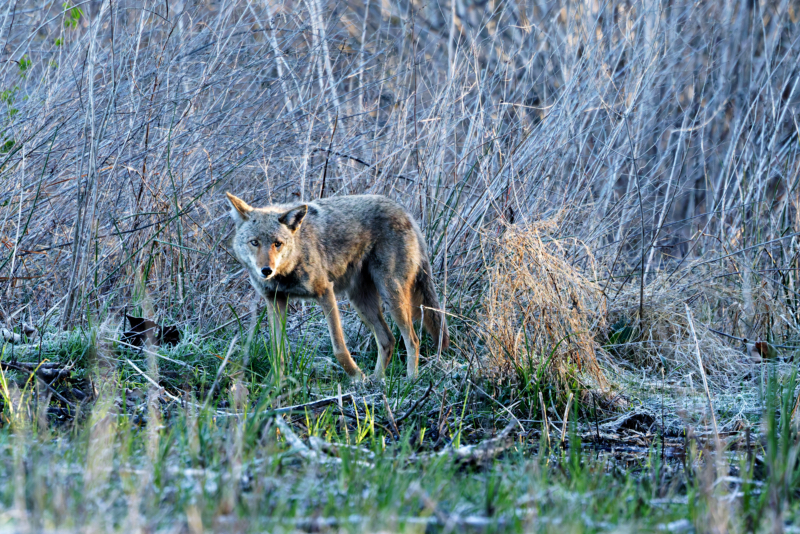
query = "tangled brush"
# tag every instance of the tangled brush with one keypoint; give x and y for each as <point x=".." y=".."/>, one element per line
<point x="664" y="337"/>
<point x="540" y="309"/>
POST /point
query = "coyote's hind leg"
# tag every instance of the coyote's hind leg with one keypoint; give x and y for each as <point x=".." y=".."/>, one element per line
<point x="365" y="299"/>
<point x="399" y="303"/>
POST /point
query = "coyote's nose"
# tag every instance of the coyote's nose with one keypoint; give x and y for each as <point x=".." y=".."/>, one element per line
<point x="265" y="272"/>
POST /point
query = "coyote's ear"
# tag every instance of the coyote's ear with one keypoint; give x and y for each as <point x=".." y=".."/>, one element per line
<point x="240" y="211"/>
<point x="292" y="218"/>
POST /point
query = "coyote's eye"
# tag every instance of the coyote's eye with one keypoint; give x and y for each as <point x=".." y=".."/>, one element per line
<point x="254" y="242"/>
<point x="278" y="244"/>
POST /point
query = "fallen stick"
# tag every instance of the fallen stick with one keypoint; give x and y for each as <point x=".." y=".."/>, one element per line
<point x="57" y="394"/>
<point x="334" y="449"/>
<point x="146" y="351"/>
<point x="468" y="454"/>
<point x="152" y="382"/>
<point x="321" y="403"/>
<point x="450" y="522"/>
<point x="181" y="402"/>
<point x="477" y="453"/>
<point x="294" y="440"/>
<point x="416" y="404"/>
<point x="44" y="372"/>
<point x="510" y="413"/>
<point x="297" y="445"/>
<point x="391" y="417"/>
<point x="485" y="450"/>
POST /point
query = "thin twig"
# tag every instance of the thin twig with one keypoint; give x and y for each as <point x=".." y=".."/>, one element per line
<point x="703" y="375"/>
<point x="219" y="371"/>
<point x="566" y="418"/>
<point x="545" y="422"/>
<point x="390" y="416"/>
<point x="330" y="145"/>
<point x="416" y="404"/>
<point x="512" y="417"/>
<point x="321" y="403"/>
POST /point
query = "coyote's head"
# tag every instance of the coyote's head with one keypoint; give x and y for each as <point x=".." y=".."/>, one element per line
<point x="265" y="240"/>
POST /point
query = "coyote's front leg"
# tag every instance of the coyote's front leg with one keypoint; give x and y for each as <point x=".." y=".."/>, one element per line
<point x="331" y="311"/>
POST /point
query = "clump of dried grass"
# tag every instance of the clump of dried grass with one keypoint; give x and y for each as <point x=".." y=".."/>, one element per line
<point x="540" y="310"/>
<point x="664" y="338"/>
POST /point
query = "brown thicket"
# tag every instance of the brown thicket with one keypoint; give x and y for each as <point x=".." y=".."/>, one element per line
<point x="665" y="132"/>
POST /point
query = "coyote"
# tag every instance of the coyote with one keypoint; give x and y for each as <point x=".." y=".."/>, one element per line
<point x="364" y="246"/>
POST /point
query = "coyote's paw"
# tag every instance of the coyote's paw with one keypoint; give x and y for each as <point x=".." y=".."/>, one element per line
<point x="375" y="381"/>
<point x="358" y="377"/>
<point x="369" y="385"/>
<point x="377" y="378"/>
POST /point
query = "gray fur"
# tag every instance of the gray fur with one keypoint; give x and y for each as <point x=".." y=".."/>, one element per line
<point x="367" y="247"/>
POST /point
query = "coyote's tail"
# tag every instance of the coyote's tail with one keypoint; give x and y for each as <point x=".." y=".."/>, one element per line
<point x="433" y="319"/>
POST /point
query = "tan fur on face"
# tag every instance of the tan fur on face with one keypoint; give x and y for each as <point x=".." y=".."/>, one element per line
<point x="274" y="257"/>
<point x="267" y="255"/>
<point x="263" y="257"/>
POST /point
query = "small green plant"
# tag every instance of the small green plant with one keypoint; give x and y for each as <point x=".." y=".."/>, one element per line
<point x="9" y="95"/>
<point x="72" y="15"/>
<point x="621" y="332"/>
<point x="24" y="65"/>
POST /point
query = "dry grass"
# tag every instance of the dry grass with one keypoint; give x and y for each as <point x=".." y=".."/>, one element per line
<point x="540" y="311"/>
<point x="663" y="337"/>
<point x="661" y="136"/>
<point x="665" y="132"/>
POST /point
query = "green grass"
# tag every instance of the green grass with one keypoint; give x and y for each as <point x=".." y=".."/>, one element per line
<point x="130" y="458"/>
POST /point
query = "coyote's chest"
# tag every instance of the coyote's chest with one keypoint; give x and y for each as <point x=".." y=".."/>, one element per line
<point x="289" y="283"/>
<point x="294" y="283"/>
